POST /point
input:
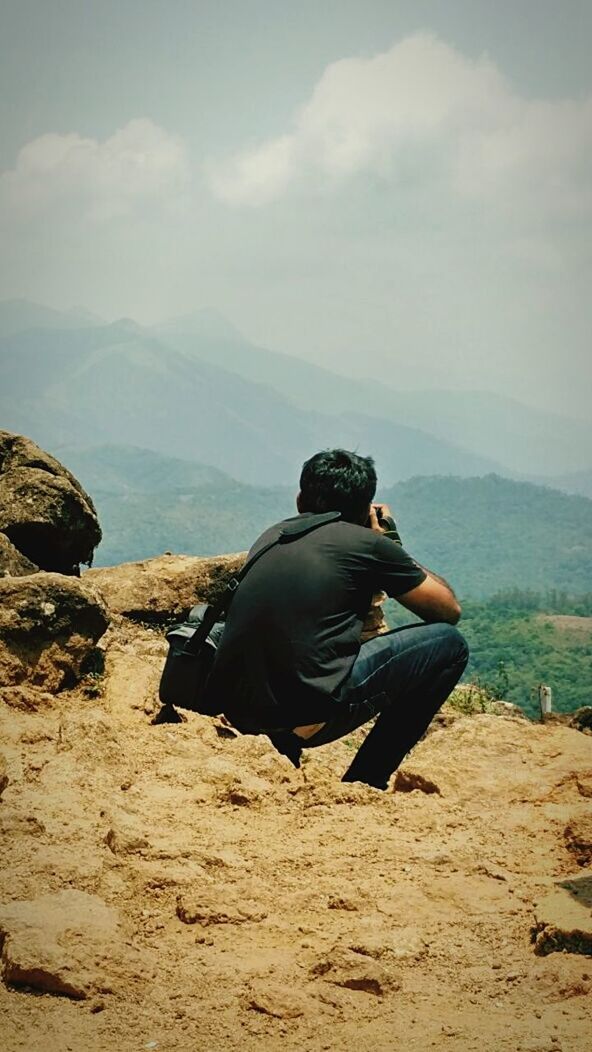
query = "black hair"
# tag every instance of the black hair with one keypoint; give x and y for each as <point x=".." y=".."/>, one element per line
<point x="337" y="480"/>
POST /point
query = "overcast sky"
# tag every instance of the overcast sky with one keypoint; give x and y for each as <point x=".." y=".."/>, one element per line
<point x="393" y="189"/>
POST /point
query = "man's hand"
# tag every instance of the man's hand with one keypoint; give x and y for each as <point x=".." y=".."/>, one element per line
<point x="374" y="518"/>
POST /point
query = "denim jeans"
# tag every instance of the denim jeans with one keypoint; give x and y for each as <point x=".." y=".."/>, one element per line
<point x="403" y="677"/>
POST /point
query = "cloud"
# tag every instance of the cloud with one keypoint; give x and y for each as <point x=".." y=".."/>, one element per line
<point x="101" y="180"/>
<point x="422" y="100"/>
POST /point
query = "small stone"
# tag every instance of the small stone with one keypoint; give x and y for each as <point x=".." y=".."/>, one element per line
<point x="272" y="999"/>
<point x="408" y="781"/>
<point x="124" y="837"/>
<point x="339" y="902"/>
<point x="355" y="971"/>
<point x="208" y="908"/>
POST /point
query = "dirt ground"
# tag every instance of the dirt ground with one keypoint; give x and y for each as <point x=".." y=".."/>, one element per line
<point x="258" y="906"/>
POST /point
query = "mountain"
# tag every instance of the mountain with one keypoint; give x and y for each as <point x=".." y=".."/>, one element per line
<point x="493" y="533"/>
<point x="116" y="384"/>
<point x="495" y="427"/>
<point x="20" y="315"/>
<point x="578" y="482"/>
<point x="210" y="394"/>
<point x="120" y="470"/>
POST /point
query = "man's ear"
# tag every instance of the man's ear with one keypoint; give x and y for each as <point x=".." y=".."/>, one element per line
<point x="299" y="502"/>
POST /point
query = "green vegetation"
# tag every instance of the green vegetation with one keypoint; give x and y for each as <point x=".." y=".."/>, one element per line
<point x="521" y="639"/>
<point x="488" y="534"/>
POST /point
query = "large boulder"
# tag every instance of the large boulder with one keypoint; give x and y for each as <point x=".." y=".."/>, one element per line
<point x="44" y="511"/>
<point x="165" y="588"/>
<point x="49" y="625"/>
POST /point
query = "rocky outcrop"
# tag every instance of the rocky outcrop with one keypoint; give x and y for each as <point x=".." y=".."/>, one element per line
<point x="164" y="589"/>
<point x="49" y="626"/>
<point x="44" y="511"/>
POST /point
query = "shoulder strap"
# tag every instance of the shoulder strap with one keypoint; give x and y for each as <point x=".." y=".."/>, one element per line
<point x="290" y="532"/>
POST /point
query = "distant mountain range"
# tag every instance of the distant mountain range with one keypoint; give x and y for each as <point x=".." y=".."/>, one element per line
<point x="194" y="388"/>
<point x="484" y="534"/>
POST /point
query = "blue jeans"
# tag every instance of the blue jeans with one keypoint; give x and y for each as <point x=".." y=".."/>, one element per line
<point x="403" y="676"/>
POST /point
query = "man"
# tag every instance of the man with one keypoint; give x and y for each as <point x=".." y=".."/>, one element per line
<point x="291" y="663"/>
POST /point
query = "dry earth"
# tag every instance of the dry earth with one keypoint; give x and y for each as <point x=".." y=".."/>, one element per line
<point x="176" y="888"/>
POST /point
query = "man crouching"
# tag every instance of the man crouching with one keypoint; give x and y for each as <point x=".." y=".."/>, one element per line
<point x="291" y="663"/>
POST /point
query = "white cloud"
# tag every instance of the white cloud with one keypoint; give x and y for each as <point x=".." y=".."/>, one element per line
<point x="423" y="98"/>
<point x="101" y="180"/>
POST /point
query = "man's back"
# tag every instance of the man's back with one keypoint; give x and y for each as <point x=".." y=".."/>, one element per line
<point x="293" y="629"/>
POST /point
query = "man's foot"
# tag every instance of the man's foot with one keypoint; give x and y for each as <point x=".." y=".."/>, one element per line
<point x="168" y="714"/>
<point x="287" y="744"/>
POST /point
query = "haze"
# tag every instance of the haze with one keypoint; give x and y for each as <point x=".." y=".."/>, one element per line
<point x="392" y="190"/>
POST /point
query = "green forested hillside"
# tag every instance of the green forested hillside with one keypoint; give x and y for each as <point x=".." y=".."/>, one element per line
<point x="520" y="639"/>
<point x="490" y="533"/>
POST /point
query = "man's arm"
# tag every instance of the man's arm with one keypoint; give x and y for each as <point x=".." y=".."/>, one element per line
<point x="432" y="600"/>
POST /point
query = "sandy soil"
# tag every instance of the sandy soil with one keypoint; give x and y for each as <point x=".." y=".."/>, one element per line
<point x="263" y="907"/>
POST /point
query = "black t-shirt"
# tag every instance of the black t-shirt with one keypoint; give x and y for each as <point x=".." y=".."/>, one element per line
<point x="293" y="629"/>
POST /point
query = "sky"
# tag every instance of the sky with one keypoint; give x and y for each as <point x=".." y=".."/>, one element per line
<point x="397" y="190"/>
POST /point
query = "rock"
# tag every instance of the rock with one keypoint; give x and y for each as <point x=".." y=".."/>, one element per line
<point x="165" y="588"/>
<point x="581" y="719"/>
<point x="25" y="698"/>
<point x="44" y="511"/>
<point x="215" y="907"/>
<point x="244" y="790"/>
<point x="124" y="837"/>
<point x="60" y="944"/>
<point x="509" y="709"/>
<point x="563" y="919"/>
<point x="340" y="902"/>
<point x="355" y="971"/>
<point x="397" y="945"/>
<point x="12" y="563"/>
<point x="49" y="625"/>
<point x="584" y="784"/>
<point x="3" y="774"/>
<point x="578" y="839"/>
<point x="14" y="824"/>
<point x="272" y="999"/>
<point x="407" y="781"/>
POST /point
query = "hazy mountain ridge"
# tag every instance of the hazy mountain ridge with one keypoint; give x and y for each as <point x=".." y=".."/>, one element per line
<point x="115" y="384"/>
<point x="194" y="387"/>
<point x="497" y="427"/>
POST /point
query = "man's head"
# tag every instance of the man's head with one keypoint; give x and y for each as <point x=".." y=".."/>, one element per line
<point x="337" y="480"/>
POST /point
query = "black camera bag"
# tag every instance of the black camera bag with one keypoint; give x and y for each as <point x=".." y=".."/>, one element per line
<point x="193" y="643"/>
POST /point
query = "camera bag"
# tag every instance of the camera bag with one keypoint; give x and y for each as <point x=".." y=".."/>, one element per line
<point x="193" y="643"/>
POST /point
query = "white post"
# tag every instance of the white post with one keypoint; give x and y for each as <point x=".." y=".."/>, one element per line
<point x="545" y="700"/>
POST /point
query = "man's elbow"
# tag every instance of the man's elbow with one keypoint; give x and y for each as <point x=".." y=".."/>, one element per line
<point x="448" y="612"/>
